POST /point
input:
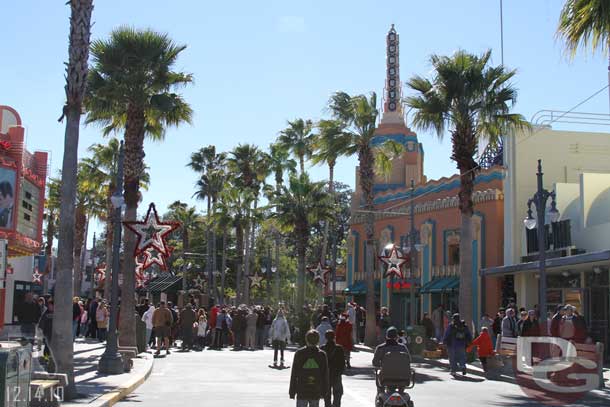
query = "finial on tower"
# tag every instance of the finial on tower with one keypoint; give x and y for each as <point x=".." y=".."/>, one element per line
<point x="392" y="109"/>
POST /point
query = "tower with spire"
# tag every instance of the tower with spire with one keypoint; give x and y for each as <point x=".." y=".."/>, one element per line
<point x="409" y="165"/>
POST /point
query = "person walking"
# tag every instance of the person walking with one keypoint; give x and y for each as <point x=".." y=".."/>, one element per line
<point x="309" y="380"/>
<point x="456" y="337"/>
<point x="279" y="333"/>
<point x="239" y="328"/>
<point x="147" y="317"/>
<point x="336" y="366"/>
<point x="187" y="320"/>
<point x="76" y="311"/>
<point x="351" y="317"/>
<point x="92" y="317"/>
<point x="202" y="329"/>
<point x="383" y="323"/>
<point x="251" y="321"/>
<point x="162" y="324"/>
<point x="101" y="318"/>
<point x="437" y="320"/>
<point x="484" y="345"/>
<point x="221" y="321"/>
<point x="509" y="324"/>
<point x="344" y="337"/>
<point x="322" y="328"/>
<point x="260" y="328"/>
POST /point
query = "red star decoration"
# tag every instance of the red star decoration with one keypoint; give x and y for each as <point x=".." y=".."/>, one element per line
<point x="141" y="279"/>
<point x="319" y="273"/>
<point x="152" y="256"/>
<point x="151" y="232"/>
<point x="394" y="260"/>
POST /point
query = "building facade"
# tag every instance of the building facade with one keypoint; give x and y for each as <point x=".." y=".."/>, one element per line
<point x="437" y="220"/>
<point x="22" y="193"/>
<point x="578" y="244"/>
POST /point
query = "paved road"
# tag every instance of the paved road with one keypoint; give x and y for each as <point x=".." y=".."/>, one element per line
<point x="227" y="378"/>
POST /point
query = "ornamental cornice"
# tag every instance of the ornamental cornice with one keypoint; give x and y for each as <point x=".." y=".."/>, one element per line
<point x="449" y="202"/>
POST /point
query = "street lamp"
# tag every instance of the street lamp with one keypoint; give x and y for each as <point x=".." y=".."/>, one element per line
<point x="539" y="201"/>
<point x="414" y="247"/>
<point x="92" y="275"/>
<point x="338" y="262"/>
<point x="111" y="361"/>
<point x="277" y="282"/>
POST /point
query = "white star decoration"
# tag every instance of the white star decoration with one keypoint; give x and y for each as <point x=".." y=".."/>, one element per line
<point x="394" y="262"/>
<point x="199" y="281"/>
<point x="36" y="277"/>
<point x="255" y="280"/>
<point x="153" y="256"/>
<point x="319" y="273"/>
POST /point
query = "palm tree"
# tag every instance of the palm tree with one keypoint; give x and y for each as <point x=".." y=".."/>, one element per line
<point x="358" y="114"/>
<point x="105" y="158"/>
<point x="132" y="89"/>
<point x="585" y="23"/>
<point x="300" y="205"/>
<point x="52" y="204"/>
<point x="328" y="145"/>
<point x="297" y="138"/>
<point x="89" y="203"/>
<point x="471" y="100"/>
<point x="76" y="85"/>
<point x="188" y="218"/>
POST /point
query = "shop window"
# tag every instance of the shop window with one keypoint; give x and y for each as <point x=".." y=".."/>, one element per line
<point x="453" y="254"/>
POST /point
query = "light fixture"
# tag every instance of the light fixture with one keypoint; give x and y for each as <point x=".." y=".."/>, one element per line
<point x="419" y="247"/>
<point x="597" y="270"/>
<point x="117" y="201"/>
<point x="389" y="246"/>
<point x="339" y="260"/>
<point x="406" y="249"/>
<point x="264" y="270"/>
<point x="529" y="222"/>
<point x="565" y="273"/>
<point x="273" y="269"/>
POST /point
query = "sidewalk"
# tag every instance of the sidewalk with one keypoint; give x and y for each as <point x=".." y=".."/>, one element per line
<point x="476" y="369"/>
<point x="104" y="390"/>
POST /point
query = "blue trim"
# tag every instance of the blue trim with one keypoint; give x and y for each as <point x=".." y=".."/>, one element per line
<point x="398" y="138"/>
<point x="496" y="175"/>
<point x="386" y="187"/>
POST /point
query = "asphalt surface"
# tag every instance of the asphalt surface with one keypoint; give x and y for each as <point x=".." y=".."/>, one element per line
<point x="228" y="378"/>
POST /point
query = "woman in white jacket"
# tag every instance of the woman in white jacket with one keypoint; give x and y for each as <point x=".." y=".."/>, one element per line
<point x="148" y="319"/>
<point x="280" y="335"/>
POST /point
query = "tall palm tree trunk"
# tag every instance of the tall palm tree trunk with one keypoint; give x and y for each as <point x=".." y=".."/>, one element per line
<point x="134" y="165"/>
<point x="246" y="298"/>
<point x="79" y="238"/>
<point x="48" y="251"/>
<point x="467" y="209"/>
<point x="367" y="162"/>
<point x="331" y="189"/>
<point x="76" y="76"/>
<point x="223" y="266"/>
<point x="239" y="237"/>
<point x="208" y="248"/>
<point x="301" y="250"/>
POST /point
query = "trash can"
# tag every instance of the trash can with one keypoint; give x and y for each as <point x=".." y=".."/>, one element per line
<point x="416" y="335"/>
<point x="15" y="371"/>
<point x="141" y="335"/>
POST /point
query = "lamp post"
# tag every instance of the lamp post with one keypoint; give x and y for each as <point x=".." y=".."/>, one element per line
<point x="111" y="361"/>
<point x="412" y="250"/>
<point x="539" y="200"/>
<point x="338" y="262"/>
<point x="276" y="281"/>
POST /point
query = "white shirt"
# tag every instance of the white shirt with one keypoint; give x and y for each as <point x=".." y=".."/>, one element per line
<point x="148" y="317"/>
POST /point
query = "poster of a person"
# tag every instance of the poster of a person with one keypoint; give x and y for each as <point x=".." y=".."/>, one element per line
<point x="7" y="197"/>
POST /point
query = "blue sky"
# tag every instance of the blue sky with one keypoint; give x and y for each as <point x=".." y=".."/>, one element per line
<point x="259" y="63"/>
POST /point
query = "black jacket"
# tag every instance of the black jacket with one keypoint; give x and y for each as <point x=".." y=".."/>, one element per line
<point x="390" y="345"/>
<point x="28" y="312"/>
<point x="336" y="359"/>
<point x="309" y="376"/>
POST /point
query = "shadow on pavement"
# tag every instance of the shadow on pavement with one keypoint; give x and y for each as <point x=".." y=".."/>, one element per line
<point x="525" y="401"/>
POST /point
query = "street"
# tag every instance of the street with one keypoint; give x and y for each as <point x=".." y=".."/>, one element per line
<point x="227" y="378"/>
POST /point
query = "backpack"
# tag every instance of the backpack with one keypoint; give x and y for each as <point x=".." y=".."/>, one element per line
<point x="459" y="332"/>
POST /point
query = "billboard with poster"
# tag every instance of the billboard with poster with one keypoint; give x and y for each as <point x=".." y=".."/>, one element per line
<point x="7" y="197"/>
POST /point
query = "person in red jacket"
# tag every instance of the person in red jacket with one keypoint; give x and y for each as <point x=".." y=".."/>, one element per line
<point x="343" y="337"/>
<point x="485" y="348"/>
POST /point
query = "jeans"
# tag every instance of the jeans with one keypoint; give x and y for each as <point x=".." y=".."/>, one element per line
<point x="250" y="338"/>
<point x="148" y="334"/>
<point x="308" y="403"/>
<point x="101" y="334"/>
<point x="336" y="388"/>
<point x="74" y="329"/>
<point x="278" y="346"/>
<point x="217" y="338"/>
<point x="457" y="358"/>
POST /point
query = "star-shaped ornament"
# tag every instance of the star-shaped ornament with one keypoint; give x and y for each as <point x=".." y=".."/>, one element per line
<point x="36" y="277"/>
<point x="199" y="281"/>
<point x="395" y="261"/>
<point x="151" y="232"/>
<point x="255" y="280"/>
<point x="319" y="273"/>
<point x="152" y="256"/>
<point x="141" y="279"/>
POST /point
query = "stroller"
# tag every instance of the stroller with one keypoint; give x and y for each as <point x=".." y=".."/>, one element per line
<point x="393" y="378"/>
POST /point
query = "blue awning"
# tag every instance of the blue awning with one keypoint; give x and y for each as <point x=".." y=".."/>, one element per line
<point x="440" y="285"/>
<point x="359" y="288"/>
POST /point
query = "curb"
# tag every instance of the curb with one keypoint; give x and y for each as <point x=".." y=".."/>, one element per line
<point x="111" y="398"/>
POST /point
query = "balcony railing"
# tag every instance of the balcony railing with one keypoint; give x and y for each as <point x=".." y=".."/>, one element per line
<point x="446" y="271"/>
